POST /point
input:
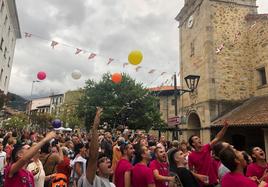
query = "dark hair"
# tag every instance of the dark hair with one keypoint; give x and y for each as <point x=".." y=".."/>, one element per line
<point x="246" y="156"/>
<point x="227" y="157"/>
<point x="124" y="146"/>
<point x="77" y="148"/>
<point x="151" y="143"/>
<point x="190" y="141"/>
<point x="45" y="148"/>
<point x="138" y="154"/>
<point x="171" y="160"/>
<point x="100" y="156"/>
<point x="217" y="148"/>
<point x="14" y="154"/>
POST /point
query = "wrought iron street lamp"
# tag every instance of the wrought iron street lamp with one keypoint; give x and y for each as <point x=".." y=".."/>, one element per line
<point x="192" y="83"/>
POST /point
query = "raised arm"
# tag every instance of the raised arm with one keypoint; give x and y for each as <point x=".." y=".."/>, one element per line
<point x="220" y="134"/>
<point x="93" y="149"/>
<point x="29" y="154"/>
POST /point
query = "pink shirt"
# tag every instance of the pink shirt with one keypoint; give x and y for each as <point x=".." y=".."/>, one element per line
<point x="142" y="176"/>
<point x="23" y="178"/>
<point x="119" y="174"/>
<point x="236" y="180"/>
<point x="162" y="169"/>
<point x="254" y="169"/>
<point x="204" y="164"/>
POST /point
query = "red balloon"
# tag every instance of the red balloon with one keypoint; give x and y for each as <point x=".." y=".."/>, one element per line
<point x="41" y="75"/>
<point x="117" y="78"/>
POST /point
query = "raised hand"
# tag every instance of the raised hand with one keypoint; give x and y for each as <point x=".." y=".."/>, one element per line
<point x="50" y="136"/>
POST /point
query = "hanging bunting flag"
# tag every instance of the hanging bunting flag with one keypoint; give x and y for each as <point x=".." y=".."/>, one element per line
<point x="237" y="35"/>
<point x="252" y="26"/>
<point x="163" y="73"/>
<point x="125" y="64"/>
<point x="110" y="61"/>
<point x="27" y="35"/>
<point x="137" y="68"/>
<point x="151" y="71"/>
<point x="219" y="49"/>
<point x="91" y="56"/>
<point x="78" y="51"/>
<point x="53" y="44"/>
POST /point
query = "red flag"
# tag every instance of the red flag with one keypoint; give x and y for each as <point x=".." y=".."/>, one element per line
<point x="27" y="35"/>
<point x="91" y="56"/>
<point x="125" y="64"/>
<point x="53" y="44"/>
<point x="78" y="51"/>
<point x="151" y="71"/>
<point x="110" y="61"/>
<point x="163" y="73"/>
<point x="137" y="68"/>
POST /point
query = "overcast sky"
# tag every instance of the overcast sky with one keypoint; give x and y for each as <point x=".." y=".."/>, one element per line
<point x="110" y="28"/>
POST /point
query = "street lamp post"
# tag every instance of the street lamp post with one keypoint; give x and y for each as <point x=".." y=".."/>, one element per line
<point x="192" y="83"/>
<point x="31" y="100"/>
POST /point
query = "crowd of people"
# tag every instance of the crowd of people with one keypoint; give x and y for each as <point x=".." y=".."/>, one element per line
<point x="125" y="159"/>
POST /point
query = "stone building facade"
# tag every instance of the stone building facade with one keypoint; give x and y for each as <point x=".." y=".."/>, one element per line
<point x="9" y="32"/>
<point x="225" y="42"/>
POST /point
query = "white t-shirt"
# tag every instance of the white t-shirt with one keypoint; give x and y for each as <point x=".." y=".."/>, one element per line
<point x="39" y="178"/>
<point x="98" y="182"/>
<point x="81" y="160"/>
<point x="3" y="156"/>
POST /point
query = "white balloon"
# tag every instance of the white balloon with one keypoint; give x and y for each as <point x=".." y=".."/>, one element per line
<point x="76" y="74"/>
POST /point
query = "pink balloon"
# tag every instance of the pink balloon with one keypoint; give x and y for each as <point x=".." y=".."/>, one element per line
<point x="41" y="75"/>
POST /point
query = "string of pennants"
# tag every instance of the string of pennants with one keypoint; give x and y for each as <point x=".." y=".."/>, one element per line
<point x="236" y="38"/>
<point x="92" y="55"/>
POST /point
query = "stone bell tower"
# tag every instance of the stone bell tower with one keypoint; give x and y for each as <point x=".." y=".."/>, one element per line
<point x="213" y="45"/>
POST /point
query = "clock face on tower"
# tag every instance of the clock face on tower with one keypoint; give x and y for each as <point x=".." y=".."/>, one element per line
<point x="190" y="21"/>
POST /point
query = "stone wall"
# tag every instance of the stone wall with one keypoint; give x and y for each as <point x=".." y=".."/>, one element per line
<point x="257" y="37"/>
<point x="232" y="65"/>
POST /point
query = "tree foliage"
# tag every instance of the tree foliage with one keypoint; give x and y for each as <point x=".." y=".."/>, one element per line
<point x="127" y="103"/>
<point x="16" y="122"/>
<point x="41" y="121"/>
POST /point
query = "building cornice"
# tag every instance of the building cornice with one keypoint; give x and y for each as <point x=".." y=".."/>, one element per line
<point x="188" y="9"/>
<point x="14" y="17"/>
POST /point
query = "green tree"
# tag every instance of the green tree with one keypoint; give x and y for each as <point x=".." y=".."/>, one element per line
<point x="16" y="122"/>
<point x="41" y="121"/>
<point x="127" y="103"/>
<point x="72" y="120"/>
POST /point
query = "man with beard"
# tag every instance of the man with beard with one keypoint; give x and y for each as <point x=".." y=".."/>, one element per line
<point x="258" y="170"/>
<point x="122" y="175"/>
<point x="160" y="168"/>
<point x="98" y="166"/>
<point x="142" y="175"/>
<point x="201" y="162"/>
<point x="107" y="145"/>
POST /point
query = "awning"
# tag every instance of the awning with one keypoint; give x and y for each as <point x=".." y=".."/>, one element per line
<point x="252" y="113"/>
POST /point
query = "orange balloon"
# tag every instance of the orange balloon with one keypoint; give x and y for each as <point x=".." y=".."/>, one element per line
<point x="117" y="78"/>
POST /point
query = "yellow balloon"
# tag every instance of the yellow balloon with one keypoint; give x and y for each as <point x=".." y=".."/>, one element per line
<point x="135" y="57"/>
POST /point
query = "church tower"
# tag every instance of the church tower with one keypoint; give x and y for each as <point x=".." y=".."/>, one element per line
<point x="213" y="45"/>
